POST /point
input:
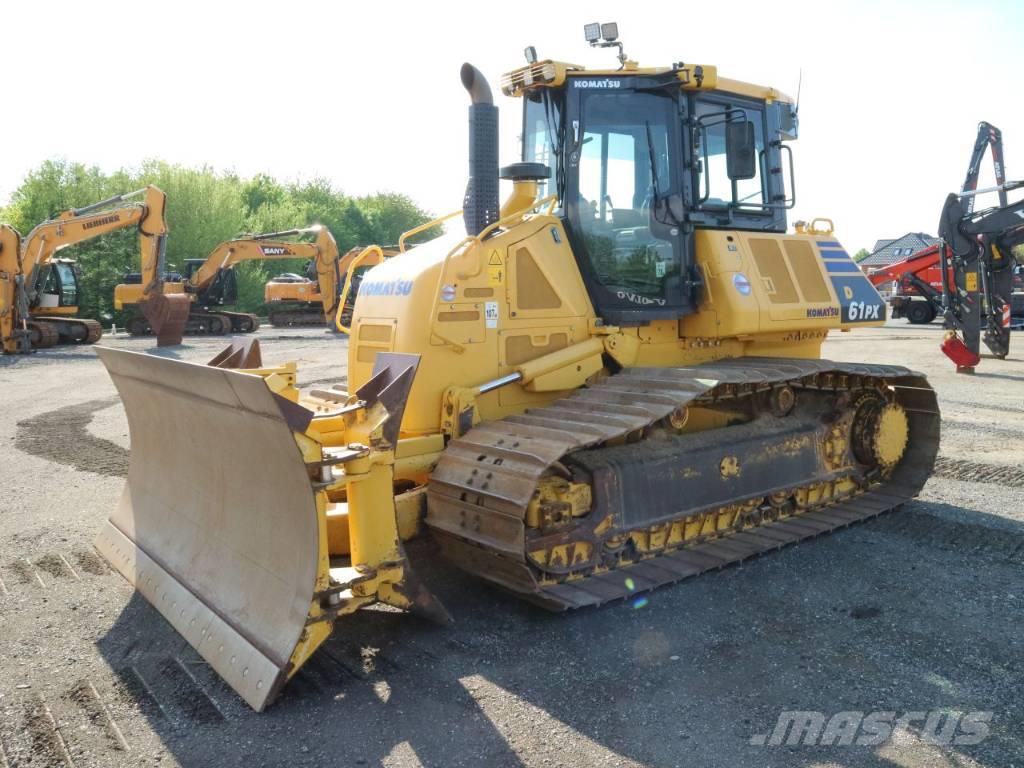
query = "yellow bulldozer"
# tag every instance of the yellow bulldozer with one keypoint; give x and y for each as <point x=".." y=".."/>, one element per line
<point x="39" y="292"/>
<point x="297" y="300"/>
<point x="609" y="383"/>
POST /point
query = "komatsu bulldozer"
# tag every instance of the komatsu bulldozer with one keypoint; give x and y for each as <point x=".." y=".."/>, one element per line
<point x="609" y="383"/>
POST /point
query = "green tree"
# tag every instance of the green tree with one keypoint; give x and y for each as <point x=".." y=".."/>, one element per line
<point x="204" y="208"/>
<point x="860" y="255"/>
<point x="389" y="214"/>
<point x="262" y="190"/>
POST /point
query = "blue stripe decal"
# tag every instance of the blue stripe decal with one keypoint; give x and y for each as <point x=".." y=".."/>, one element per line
<point x="829" y="244"/>
<point x="841" y="266"/>
<point x="833" y="252"/>
<point x="859" y="302"/>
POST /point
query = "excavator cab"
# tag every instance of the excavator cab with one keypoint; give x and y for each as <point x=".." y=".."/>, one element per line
<point x="58" y="285"/>
<point x="640" y="163"/>
<point x="222" y="290"/>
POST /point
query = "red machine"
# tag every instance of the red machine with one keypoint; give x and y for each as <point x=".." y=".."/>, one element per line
<point x="916" y="286"/>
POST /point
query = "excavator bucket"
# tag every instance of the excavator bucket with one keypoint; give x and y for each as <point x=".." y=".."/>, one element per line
<point x="221" y="524"/>
<point x="167" y="315"/>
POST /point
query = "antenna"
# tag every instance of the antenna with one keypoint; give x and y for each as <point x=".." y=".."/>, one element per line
<point x="799" y="85"/>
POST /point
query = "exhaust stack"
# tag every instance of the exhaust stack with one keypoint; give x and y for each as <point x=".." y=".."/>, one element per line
<point x="481" y="207"/>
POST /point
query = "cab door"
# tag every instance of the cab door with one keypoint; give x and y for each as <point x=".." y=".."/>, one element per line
<point x="624" y="152"/>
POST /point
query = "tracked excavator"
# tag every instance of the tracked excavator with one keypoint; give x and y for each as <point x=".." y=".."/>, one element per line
<point x="210" y="283"/>
<point x="610" y="383"/>
<point x="39" y="292"/>
<point x="295" y="300"/>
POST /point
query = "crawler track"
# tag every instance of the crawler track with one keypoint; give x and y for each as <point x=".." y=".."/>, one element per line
<point x="65" y="330"/>
<point x="481" y="489"/>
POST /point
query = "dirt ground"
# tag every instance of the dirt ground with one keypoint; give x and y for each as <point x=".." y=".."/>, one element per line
<point x="917" y="611"/>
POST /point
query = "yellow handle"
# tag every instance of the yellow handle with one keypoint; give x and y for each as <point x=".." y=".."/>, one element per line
<point x="424" y="228"/>
<point x="343" y="299"/>
<point x="826" y="230"/>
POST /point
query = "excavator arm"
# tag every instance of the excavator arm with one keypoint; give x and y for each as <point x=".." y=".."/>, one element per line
<point x="265" y="247"/>
<point x="988" y="136"/>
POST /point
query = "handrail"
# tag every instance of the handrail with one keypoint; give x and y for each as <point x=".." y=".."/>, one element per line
<point x="348" y="283"/>
<point x="477" y="240"/>
<point x="552" y="199"/>
<point x="424" y="228"/>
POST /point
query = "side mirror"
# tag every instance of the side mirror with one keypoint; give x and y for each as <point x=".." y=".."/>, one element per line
<point x="740" y="151"/>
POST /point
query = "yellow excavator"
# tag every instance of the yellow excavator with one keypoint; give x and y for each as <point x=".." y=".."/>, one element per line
<point x="210" y="283"/>
<point x="609" y="383"/>
<point x="297" y="300"/>
<point x="39" y="293"/>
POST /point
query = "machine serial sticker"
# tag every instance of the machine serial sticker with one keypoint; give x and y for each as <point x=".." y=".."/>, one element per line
<point x="491" y="314"/>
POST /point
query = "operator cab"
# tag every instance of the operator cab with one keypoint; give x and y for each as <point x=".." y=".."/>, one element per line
<point x="223" y="289"/>
<point x="58" y="284"/>
<point x="641" y="159"/>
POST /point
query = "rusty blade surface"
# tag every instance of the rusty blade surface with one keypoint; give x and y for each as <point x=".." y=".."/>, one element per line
<point x="217" y="525"/>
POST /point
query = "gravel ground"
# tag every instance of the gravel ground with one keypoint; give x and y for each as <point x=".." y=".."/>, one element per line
<point x="914" y="612"/>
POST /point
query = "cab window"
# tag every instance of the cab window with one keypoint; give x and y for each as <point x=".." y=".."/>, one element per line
<point x="714" y="188"/>
<point x="625" y="168"/>
<point x="68" y="285"/>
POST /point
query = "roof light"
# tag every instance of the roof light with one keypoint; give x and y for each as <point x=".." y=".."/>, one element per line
<point x="605" y="36"/>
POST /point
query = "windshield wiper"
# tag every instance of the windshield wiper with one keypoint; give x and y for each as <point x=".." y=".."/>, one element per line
<point x="656" y="199"/>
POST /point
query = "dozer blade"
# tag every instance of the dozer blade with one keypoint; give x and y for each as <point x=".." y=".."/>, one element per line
<point x="167" y="315"/>
<point x="218" y="524"/>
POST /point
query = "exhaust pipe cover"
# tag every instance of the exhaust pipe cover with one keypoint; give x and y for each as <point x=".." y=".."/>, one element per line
<point x="481" y="206"/>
